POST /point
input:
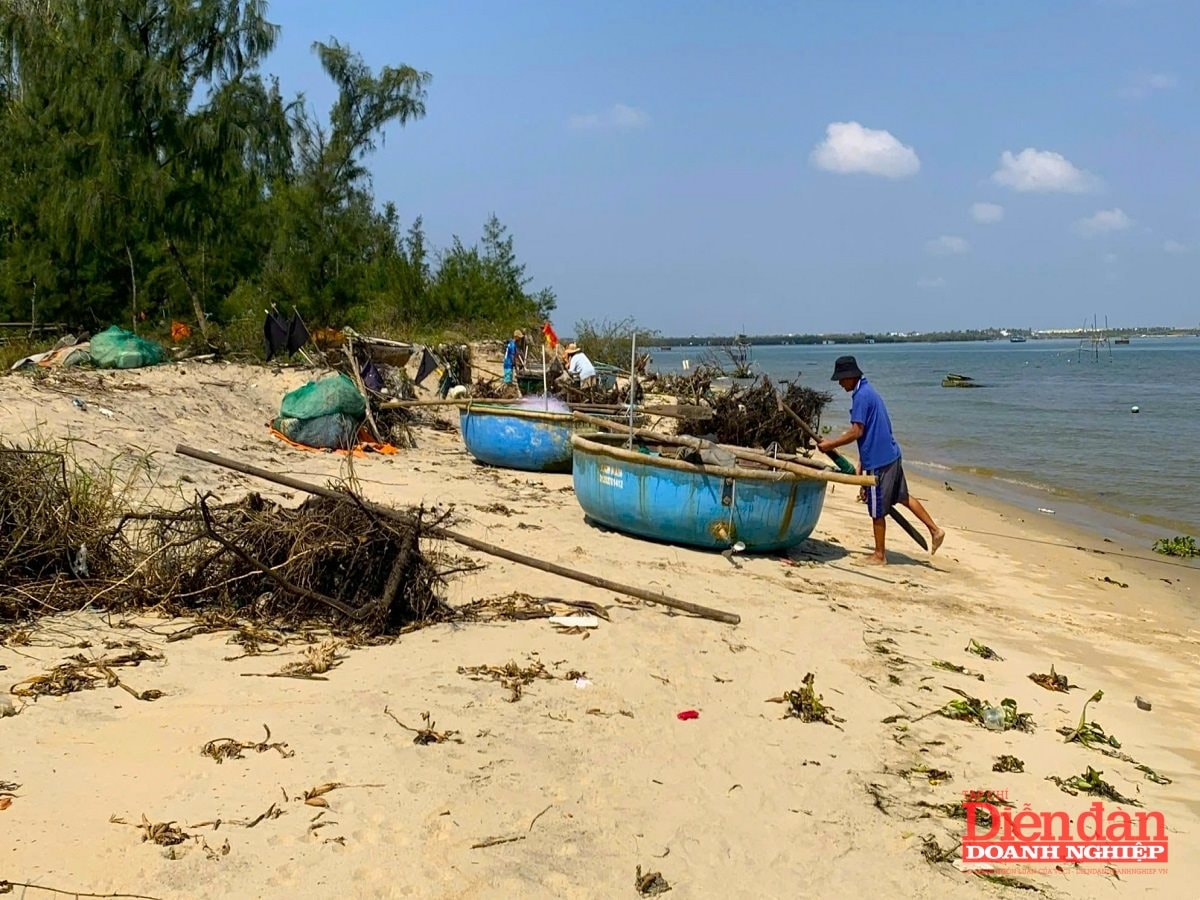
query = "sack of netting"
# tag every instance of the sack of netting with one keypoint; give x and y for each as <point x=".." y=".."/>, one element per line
<point x="325" y="413"/>
<point x="117" y="348"/>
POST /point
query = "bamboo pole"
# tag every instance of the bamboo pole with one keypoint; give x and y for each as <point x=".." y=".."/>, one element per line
<point x="671" y="411"/>
<point x="348" y="349"/>
<point x="806" y="471"/>
<point x="696" y="609"/>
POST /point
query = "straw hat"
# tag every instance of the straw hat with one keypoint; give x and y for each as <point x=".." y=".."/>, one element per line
<point x="572" y="348"/>
<point x="518" y="334"/>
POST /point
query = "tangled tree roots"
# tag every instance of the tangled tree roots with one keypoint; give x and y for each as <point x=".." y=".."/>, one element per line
<point x="335" y="549"/>
<point x="328" y="561"/>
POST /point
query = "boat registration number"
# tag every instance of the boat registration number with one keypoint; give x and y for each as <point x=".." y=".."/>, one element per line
<point x="612" y="476"/>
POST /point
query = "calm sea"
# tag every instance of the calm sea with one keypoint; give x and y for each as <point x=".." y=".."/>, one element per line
<point x="1052" y="429"/>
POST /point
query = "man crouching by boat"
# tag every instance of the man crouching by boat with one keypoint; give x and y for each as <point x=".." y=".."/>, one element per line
<point x="878" y="455"/>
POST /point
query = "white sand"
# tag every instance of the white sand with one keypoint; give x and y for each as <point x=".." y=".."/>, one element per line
<point x="738" y="803"/>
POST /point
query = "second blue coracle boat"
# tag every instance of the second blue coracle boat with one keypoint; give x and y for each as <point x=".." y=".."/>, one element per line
<point x="517" y="437"/>
<point x="643" y="492"/>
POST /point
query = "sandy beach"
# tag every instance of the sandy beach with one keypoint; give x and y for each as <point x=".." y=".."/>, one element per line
<point x="584" y="779"/>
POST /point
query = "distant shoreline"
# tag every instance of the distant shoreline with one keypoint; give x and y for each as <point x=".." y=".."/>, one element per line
<point x="940" y="337"/>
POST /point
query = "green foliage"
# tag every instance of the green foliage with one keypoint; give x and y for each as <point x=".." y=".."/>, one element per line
<point x="612" y="342"/>
<point x="1180" y="545"/>
<point x="133" y="133"/>
<point x="149" y="170"/>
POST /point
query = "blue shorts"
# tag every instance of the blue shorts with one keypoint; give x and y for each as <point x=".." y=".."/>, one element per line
<point x="890" y="488"/>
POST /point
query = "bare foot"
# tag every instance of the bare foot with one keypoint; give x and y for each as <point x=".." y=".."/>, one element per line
<point x="938" y="537"/>
<point x="873" y="560"/>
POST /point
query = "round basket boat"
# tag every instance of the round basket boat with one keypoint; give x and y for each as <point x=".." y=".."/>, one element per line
<point x="646" y="491"/>
<point x="513" y="438"/>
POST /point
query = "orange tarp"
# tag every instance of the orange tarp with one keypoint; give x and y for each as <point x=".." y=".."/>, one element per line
<point x="364" y="446"/>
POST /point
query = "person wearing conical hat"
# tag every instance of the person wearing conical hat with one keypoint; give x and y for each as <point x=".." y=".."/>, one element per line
<point x="878" y="455"/>
<point x="580" y="366"/>
<point x="512" y="355"/>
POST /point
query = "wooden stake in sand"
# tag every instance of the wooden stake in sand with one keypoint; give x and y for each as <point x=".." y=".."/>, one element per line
<point x="704" y="612"/>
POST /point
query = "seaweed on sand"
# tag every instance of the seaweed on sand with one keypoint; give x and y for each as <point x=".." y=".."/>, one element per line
<point x="1091" y="783"/>
<point x="971" y="709"/>
<point x="806" y="704"/>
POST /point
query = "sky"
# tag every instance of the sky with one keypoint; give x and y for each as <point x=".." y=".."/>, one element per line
<point x="771" y="167"/>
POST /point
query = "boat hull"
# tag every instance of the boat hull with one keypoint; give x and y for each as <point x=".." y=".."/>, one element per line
<point x="766" y="512"/>
<point x="518" y="439"/>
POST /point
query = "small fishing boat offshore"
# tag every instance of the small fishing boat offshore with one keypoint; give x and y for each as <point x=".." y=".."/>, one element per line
<point x="690" y="492"/>
<point x="960" y="381"/>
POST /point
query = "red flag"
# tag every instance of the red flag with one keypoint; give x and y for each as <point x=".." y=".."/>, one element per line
<point x="551" y="337"/>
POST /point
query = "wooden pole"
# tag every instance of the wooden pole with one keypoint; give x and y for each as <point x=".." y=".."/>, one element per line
<point x="348" y="349"/>
<point x="670" y="411"/>
<point x="896" y="515"/>
<point x="632" y="381"/>
<point x="545" y="381"/>
<point x="695" y="609"/>
<point x="820" y="473"/>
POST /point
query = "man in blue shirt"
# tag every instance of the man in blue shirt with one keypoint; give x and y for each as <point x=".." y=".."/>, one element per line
<point x="878" y="455"/>
<point x="512" y="355"/>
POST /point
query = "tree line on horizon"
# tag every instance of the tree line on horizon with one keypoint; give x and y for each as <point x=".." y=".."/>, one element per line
<point x="657" y="339"/>
<point x="150" y="171"/>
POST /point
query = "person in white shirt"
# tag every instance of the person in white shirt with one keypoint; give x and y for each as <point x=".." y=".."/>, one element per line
<point x="580" y="366"/>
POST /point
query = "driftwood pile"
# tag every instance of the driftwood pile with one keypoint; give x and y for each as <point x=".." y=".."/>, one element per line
<point x="617" y="395"/>
<point x="692" y="388"/>
<point x="494" y="389"/>
<point x="750" y="416"/>
<point x="332" y="562"/>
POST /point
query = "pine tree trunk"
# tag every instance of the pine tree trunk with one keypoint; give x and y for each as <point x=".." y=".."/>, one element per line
<point x="133" y="283"/>
<point x="197" y="306"/>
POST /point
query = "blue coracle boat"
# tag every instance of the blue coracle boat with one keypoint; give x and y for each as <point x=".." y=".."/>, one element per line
<point x="517" y="438"/>
<point x="641" y="492"/>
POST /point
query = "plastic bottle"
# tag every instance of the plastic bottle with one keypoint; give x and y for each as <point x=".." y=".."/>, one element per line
<point x="993" y="718"/>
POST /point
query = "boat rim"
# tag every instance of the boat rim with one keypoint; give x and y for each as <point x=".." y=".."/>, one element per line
<point x="486" y="408"/>
<point x="589" y="443"/>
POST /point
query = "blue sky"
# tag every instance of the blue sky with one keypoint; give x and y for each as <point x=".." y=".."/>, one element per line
<point x="800" y="167"/>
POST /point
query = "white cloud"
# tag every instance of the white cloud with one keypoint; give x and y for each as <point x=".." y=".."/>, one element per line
<point x="1146" y="84"/>
<point x="931" y="283"/>
<point x="1042" y="170"/>
<point x="1105" y="221"/>
<point x="618" y="117"/>
<point x="849" y="148"/>
<point x="948" y="245"/>
<point x="987" y="213"/>
<point x="1174" y="247"/>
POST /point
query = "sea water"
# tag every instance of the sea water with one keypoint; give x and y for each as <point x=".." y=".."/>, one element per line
<point x="1051" y="429"/>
